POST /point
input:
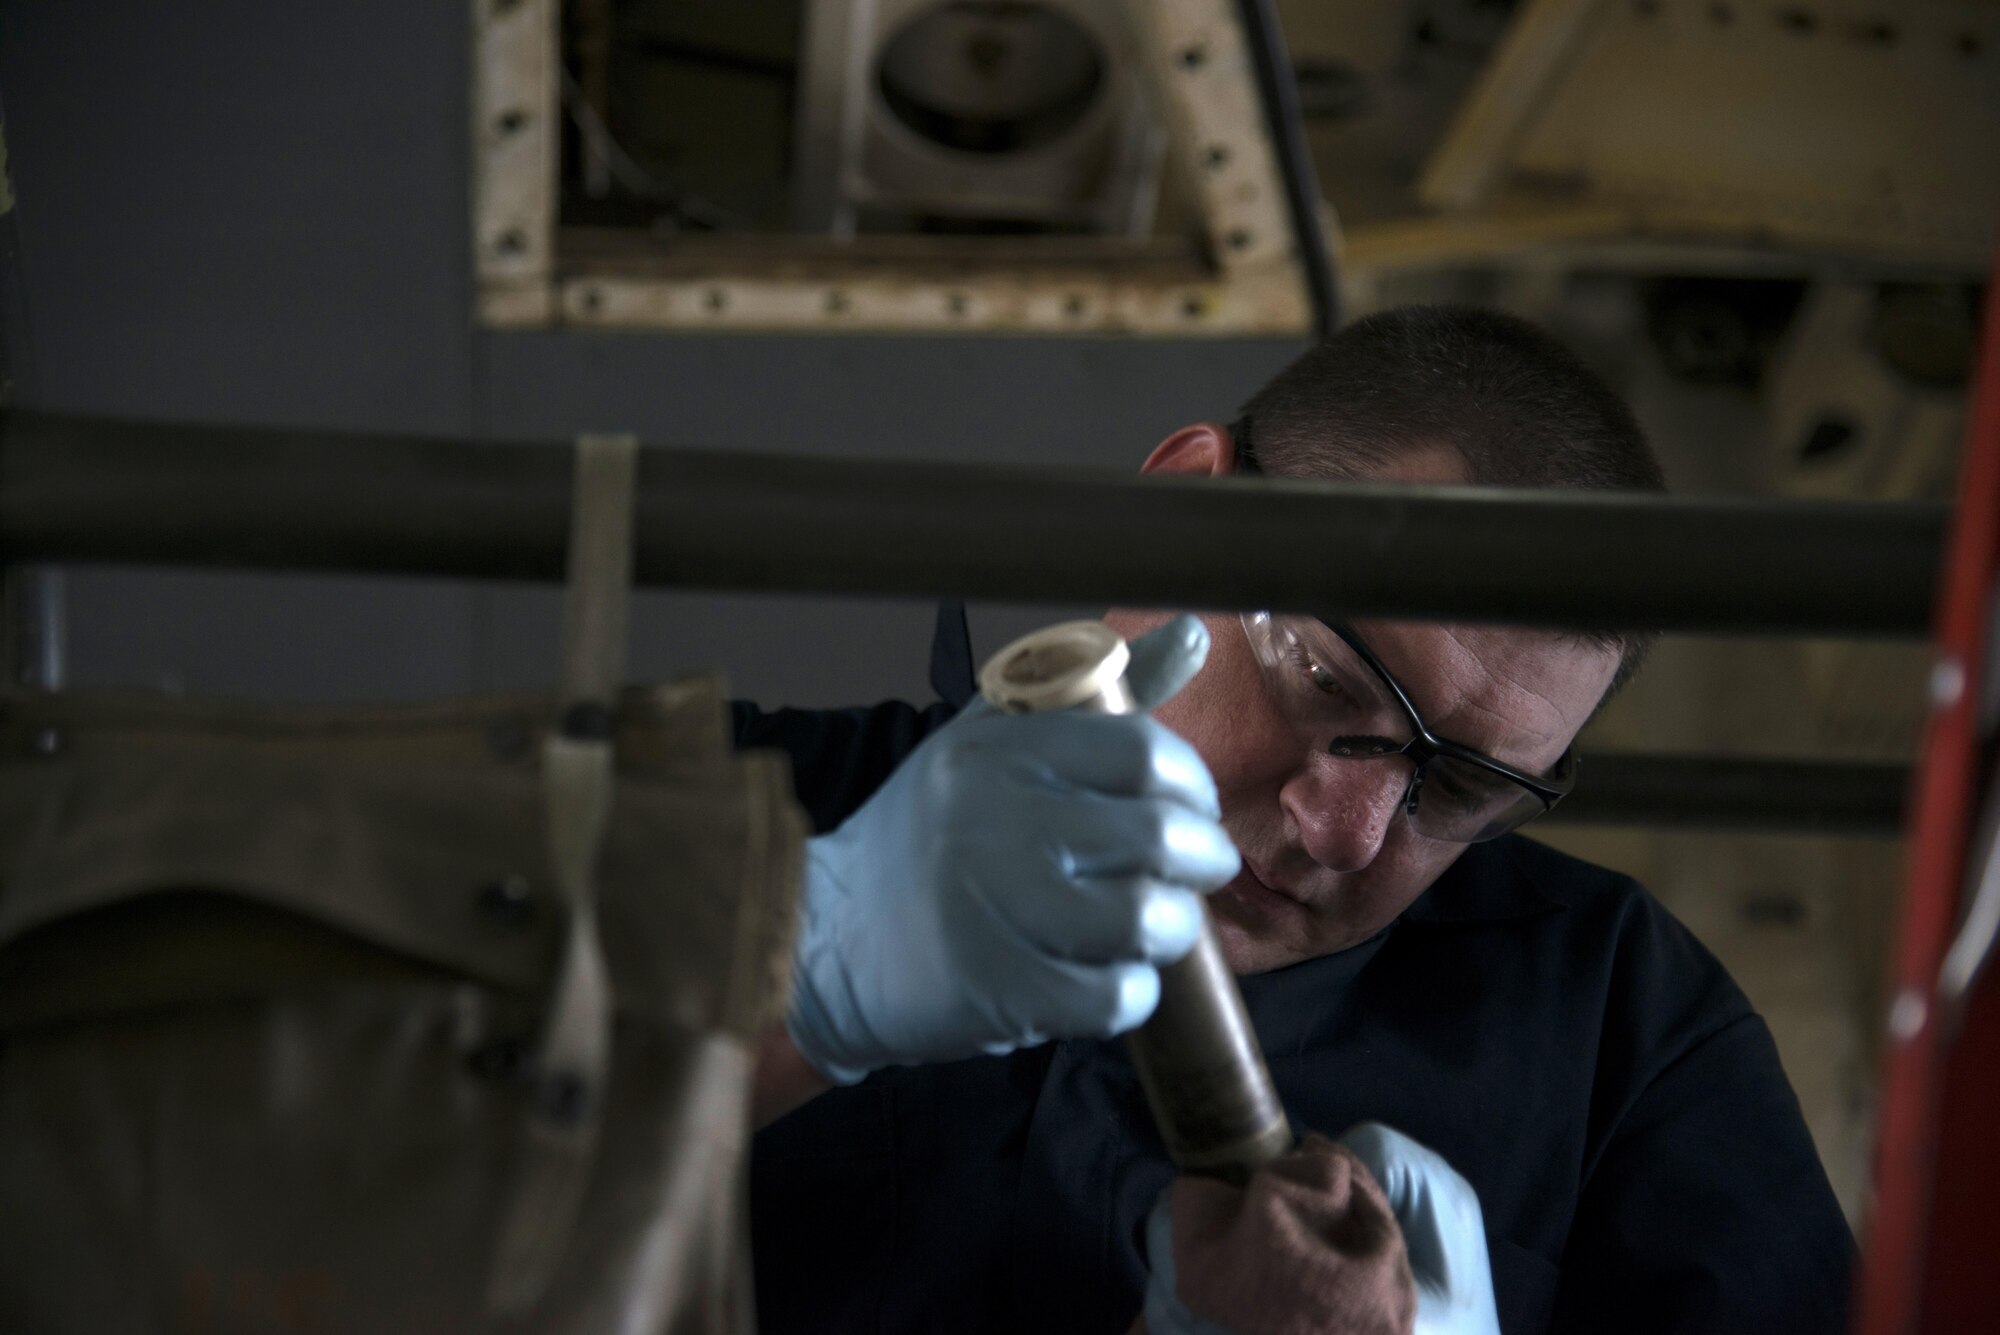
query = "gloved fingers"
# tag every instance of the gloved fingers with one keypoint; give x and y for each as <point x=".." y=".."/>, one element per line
<point x="1390" y="1156"/>
<point x="1123" y="755"/>
<point x="1443" y="1228"/>
<point x="1166" y="659"/>
<point x="1410" y="1175"/>
<point x="1106" y="920"/>
<point x="1069" y="999"/>
<point x="1107" y="837"/>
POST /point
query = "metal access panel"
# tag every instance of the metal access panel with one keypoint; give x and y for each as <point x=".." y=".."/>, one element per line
<point x="1134" y="185"/>
<point x="1036" y="115"/>
<point x="1858" y="127"/>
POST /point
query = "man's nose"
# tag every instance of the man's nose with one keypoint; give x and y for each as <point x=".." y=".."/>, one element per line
<point x="1342" y="809"/>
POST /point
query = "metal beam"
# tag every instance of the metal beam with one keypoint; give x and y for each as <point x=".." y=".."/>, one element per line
<point x="82" y="490"/>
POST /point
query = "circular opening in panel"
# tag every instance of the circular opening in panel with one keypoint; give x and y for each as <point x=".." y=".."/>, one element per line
<point x="991" y="76"/>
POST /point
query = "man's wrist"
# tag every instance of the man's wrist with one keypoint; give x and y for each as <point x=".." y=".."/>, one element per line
<point x="783" y="1079"/>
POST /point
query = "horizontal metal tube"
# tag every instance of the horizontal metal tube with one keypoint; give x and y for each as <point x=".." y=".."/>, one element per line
<point x="1742" y="793"/>
<point x="92" y="490"/>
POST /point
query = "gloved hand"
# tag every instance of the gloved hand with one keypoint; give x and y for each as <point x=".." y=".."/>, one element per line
<point x="1307" y="1245"/>
<point x="1442" y="1227"/>
<point x="1018" y="878"/>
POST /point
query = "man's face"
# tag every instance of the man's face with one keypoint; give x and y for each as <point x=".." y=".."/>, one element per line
<point x="1328" y="857"/>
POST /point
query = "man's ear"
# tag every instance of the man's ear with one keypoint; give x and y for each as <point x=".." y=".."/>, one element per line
<point x="1201" y="450"/>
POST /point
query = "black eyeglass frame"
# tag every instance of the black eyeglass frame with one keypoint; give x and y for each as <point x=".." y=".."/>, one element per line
<point x="1425" y="746"/>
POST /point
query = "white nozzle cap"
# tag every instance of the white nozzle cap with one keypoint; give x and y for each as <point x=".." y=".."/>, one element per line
<point x="1057" y="667"/>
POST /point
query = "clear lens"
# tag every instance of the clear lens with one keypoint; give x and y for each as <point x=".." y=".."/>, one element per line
<point x="1339" y="706"/>
<point x="1465" y="803"/>
<point x="1333" y="699"/>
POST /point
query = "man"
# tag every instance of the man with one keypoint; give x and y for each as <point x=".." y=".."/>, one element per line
<point x="1542" y="1024"/>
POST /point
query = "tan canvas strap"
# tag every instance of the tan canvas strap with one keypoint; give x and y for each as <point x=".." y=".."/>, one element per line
<point x="572" y="1059"/>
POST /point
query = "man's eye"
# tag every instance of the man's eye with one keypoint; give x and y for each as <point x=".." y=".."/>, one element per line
<point x="1457" y="795"/>
<point x="1317" y="674"/>
<point x="1461" y="791"/>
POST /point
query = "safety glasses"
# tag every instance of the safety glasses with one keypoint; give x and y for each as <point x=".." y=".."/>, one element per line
<point x="1341" y="700"/>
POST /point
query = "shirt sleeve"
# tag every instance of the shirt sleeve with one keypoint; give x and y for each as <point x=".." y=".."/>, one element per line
<point x="839" y="756"/>
<point x="1705" y="1208"/>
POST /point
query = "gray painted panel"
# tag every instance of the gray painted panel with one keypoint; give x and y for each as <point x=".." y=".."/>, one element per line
<point x="239" y="211"/>
<point x="270" y="637"/>
<point x="777" y="650"/>
<point x="1095" y="401"/>
<point x="244" y="211"/>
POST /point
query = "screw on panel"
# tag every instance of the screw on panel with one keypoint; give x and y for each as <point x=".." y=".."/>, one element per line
<point x="587" y="721"/>
<point x="1238" y="239"/>
<point x="715" y="299"/>
<point x="1216" y="158"/>
<point x="512" y="121"/>
<point x="1798" y="19"/>
<point x="1775" y="909"/>
<point x="1073" y="305"/>
<point x="1193" y="57"/>
<point x="511" y="242"/>
<point x="1192" y="307"/>
<point x="836" y="302"/>
<point x="1968" y="44"/>
<point x="509" y="901"/>
<point x="591" y="299"/>
<point x="1830" y="435"/>
<point x="502" y="1061"/>
<point x="956" y="303"/>
<point x="1874" y="32"/>
<point x="564" y="1097"/>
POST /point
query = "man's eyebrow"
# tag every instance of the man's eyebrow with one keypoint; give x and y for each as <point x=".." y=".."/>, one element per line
<point x="1491" y="753"/>
<point x="1495" y="753"/>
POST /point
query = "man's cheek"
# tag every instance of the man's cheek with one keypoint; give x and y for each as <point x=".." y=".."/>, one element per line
<point x="1254" y="828"/>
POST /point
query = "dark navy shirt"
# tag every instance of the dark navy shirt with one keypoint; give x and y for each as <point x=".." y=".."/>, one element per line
<point x="1543" y="1023"/>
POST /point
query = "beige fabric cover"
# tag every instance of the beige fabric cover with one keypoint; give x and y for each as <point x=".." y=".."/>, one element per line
<point x="267" y="982"/>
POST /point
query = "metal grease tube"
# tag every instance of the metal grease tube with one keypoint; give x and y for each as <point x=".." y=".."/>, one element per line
<point x="1197" y="1057"/>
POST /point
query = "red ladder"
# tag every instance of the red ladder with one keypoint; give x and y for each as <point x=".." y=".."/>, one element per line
<point x="1931" y="1264"/>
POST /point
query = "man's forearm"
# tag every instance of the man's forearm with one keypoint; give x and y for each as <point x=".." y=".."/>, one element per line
<point x="783" y="1078"/>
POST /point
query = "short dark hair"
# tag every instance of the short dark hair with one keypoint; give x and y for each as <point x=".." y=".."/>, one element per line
<point x="1517" y="406"/>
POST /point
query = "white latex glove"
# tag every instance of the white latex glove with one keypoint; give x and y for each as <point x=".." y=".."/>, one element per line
<point x="1018" y="878"/>
<point x="1442" y="1228"/>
